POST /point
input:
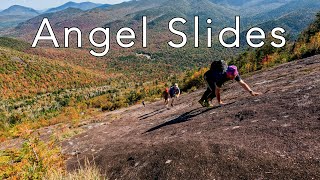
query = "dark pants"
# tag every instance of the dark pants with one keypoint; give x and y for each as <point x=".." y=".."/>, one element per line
<point x="172" y="95"/>
<point x="210" y="93"/>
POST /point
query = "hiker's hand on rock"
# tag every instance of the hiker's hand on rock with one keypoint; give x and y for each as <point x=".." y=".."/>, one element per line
<point x="255" y="93"/>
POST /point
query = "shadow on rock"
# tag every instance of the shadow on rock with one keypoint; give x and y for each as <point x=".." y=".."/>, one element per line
<point x="183" y="118"/>
<point x="156" y="112"/>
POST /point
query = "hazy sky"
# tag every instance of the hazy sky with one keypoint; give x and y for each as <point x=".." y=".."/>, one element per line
<point x="45" y="4"/>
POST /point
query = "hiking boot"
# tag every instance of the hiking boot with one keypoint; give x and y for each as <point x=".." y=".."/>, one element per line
<point x="202" y="103"/>
<point x="206" y="103"/>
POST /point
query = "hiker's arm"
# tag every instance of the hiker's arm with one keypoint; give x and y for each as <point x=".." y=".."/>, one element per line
<point x="247" y="88"/>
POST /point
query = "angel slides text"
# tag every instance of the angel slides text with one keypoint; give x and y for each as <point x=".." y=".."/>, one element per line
<point x="128" y="34"/>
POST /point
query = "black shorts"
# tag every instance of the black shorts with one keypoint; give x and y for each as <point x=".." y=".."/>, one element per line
<point x="165" y="95"/>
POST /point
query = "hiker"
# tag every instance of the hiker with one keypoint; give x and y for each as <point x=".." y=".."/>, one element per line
<point x="166" y="95"/>
<point x="218" y="74"/>
<point x="174" y="92"/>
<point x="143" y="103"/>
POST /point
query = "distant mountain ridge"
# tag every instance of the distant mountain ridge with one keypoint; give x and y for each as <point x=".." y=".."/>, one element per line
<point x="83" y="6"/>
<point x="248" y="3"/>
<point x="16" y="14"/>
<point x="282" y="13"/>
<point x="305" y="6"/>
<point x="268" y="9"/>
<point x="19" y="10"/>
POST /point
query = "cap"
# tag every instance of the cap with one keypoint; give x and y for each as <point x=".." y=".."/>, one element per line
<point x="232" y="70"/>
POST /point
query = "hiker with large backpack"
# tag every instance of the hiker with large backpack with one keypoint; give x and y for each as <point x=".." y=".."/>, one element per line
<point x="174" y="92"/>
<point x="216" y="76"/>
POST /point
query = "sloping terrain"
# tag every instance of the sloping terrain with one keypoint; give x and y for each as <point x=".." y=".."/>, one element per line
<point x="23" y="75"/>
<point x="272" y="136"/>
<point x="32" y="86"/>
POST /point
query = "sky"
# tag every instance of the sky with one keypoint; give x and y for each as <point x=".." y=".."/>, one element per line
<point x="45" y="4"/>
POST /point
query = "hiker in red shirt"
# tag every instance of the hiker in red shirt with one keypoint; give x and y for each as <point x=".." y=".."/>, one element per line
<point x="166" y="95"/>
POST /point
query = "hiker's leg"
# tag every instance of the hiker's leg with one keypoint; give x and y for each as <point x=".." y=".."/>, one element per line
<point x="172" y="97"/>
<point x="206" y="94"/>
<point x="211" y="87"/>
<point x="212" y="95"/>
<point x="167" y="102"/>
